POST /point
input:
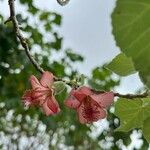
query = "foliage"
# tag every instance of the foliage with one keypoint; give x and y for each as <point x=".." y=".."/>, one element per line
<point x="122" y="65"/>
<point x="29" y="125"/>
<point x="134" y="114"/>
<point x="102" y="79"/>
<point x="130" y="20"/>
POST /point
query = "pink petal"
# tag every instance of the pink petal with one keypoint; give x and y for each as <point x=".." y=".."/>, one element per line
<point x="103" y="114"/>
<point x="72" y="102"/>
<point x="79" y="96"/>
<point x="46" y="109"/>
<point x="34" y="82"/>
<point x="82" y="119"/>
<point x="86" y="90"/>
<point x="47" y="79"/>
<point x="53" y="104"/>
<point x="81" y="93"/>
<point x="31" y="97"/>
<point x="104" y="99"/>
<point x="27" y="98"/>
<point x="41" y="93"/>
<point x="90" y="114"/>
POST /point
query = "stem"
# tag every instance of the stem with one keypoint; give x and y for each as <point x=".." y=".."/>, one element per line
<point x="20" y="36"/>
<point x="128" y="96"/>
<point x="132" y="96"/>
<point x="70" y="83"/>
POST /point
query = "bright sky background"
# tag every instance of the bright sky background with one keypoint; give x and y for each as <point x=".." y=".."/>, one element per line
<point x="87" y="29"/>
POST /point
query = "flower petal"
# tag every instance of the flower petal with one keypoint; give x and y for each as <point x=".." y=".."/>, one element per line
<point x="86" y="90"/>
<point x="47" y="79"/>
<point x="27" y="98"/>
<point x="104" y="99"/>
<point x="53" y="104"/>
<point x="39" y="96"/>
<point x="34" y="82"/>
<point x="103" y="114"/>
<point x="46" y="109"/>
<point x="72" y="102"/>
<point x="79" y="95"/>
<point x="90" y="114"/>
<point x="82" y="119"/>
<point x="31" y="97"/>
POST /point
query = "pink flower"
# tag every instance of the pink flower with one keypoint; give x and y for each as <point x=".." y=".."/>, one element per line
<point x="89" y="105"/>
<point x="41" y="94"/>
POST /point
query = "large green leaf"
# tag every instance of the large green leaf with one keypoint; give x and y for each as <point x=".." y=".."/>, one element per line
<point x="122" y="65"/>
<point x="146" y="129"/>
<point x="131" y="28"/>
<point x="132" y="113"/>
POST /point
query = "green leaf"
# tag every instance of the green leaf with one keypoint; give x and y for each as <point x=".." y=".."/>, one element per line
<point x="57" y="19"/>
<point x="44" y="15"/>
<point x="73" y="56"/>
<point x="32" y="9"/>
<point x="82" y="79"/>
<point x="102" y="79"/>
<point x="131" y="28"/>
<point x="58" y="69"/>
<point x="59" y="87"/>
<point x="146" y="129"/>
<point x="57" y="43"/>
<point x="48" y="26"/>
<point x="121" y="65"/>
<point x="132" y="113"/>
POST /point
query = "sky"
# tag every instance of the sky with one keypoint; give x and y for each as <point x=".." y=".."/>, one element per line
<point x="87" y="29"/>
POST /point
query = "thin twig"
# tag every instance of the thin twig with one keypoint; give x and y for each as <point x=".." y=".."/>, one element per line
<point x="132" y="96"/>
<point x="20" y="36"/>
<point x="128" y="96"/>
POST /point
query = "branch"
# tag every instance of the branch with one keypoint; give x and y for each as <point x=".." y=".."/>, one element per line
<point x="132" y="96"/>
<point x="24" y="43"/>
<point x="20" y="36"/>
<point x="128" y="96"/>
